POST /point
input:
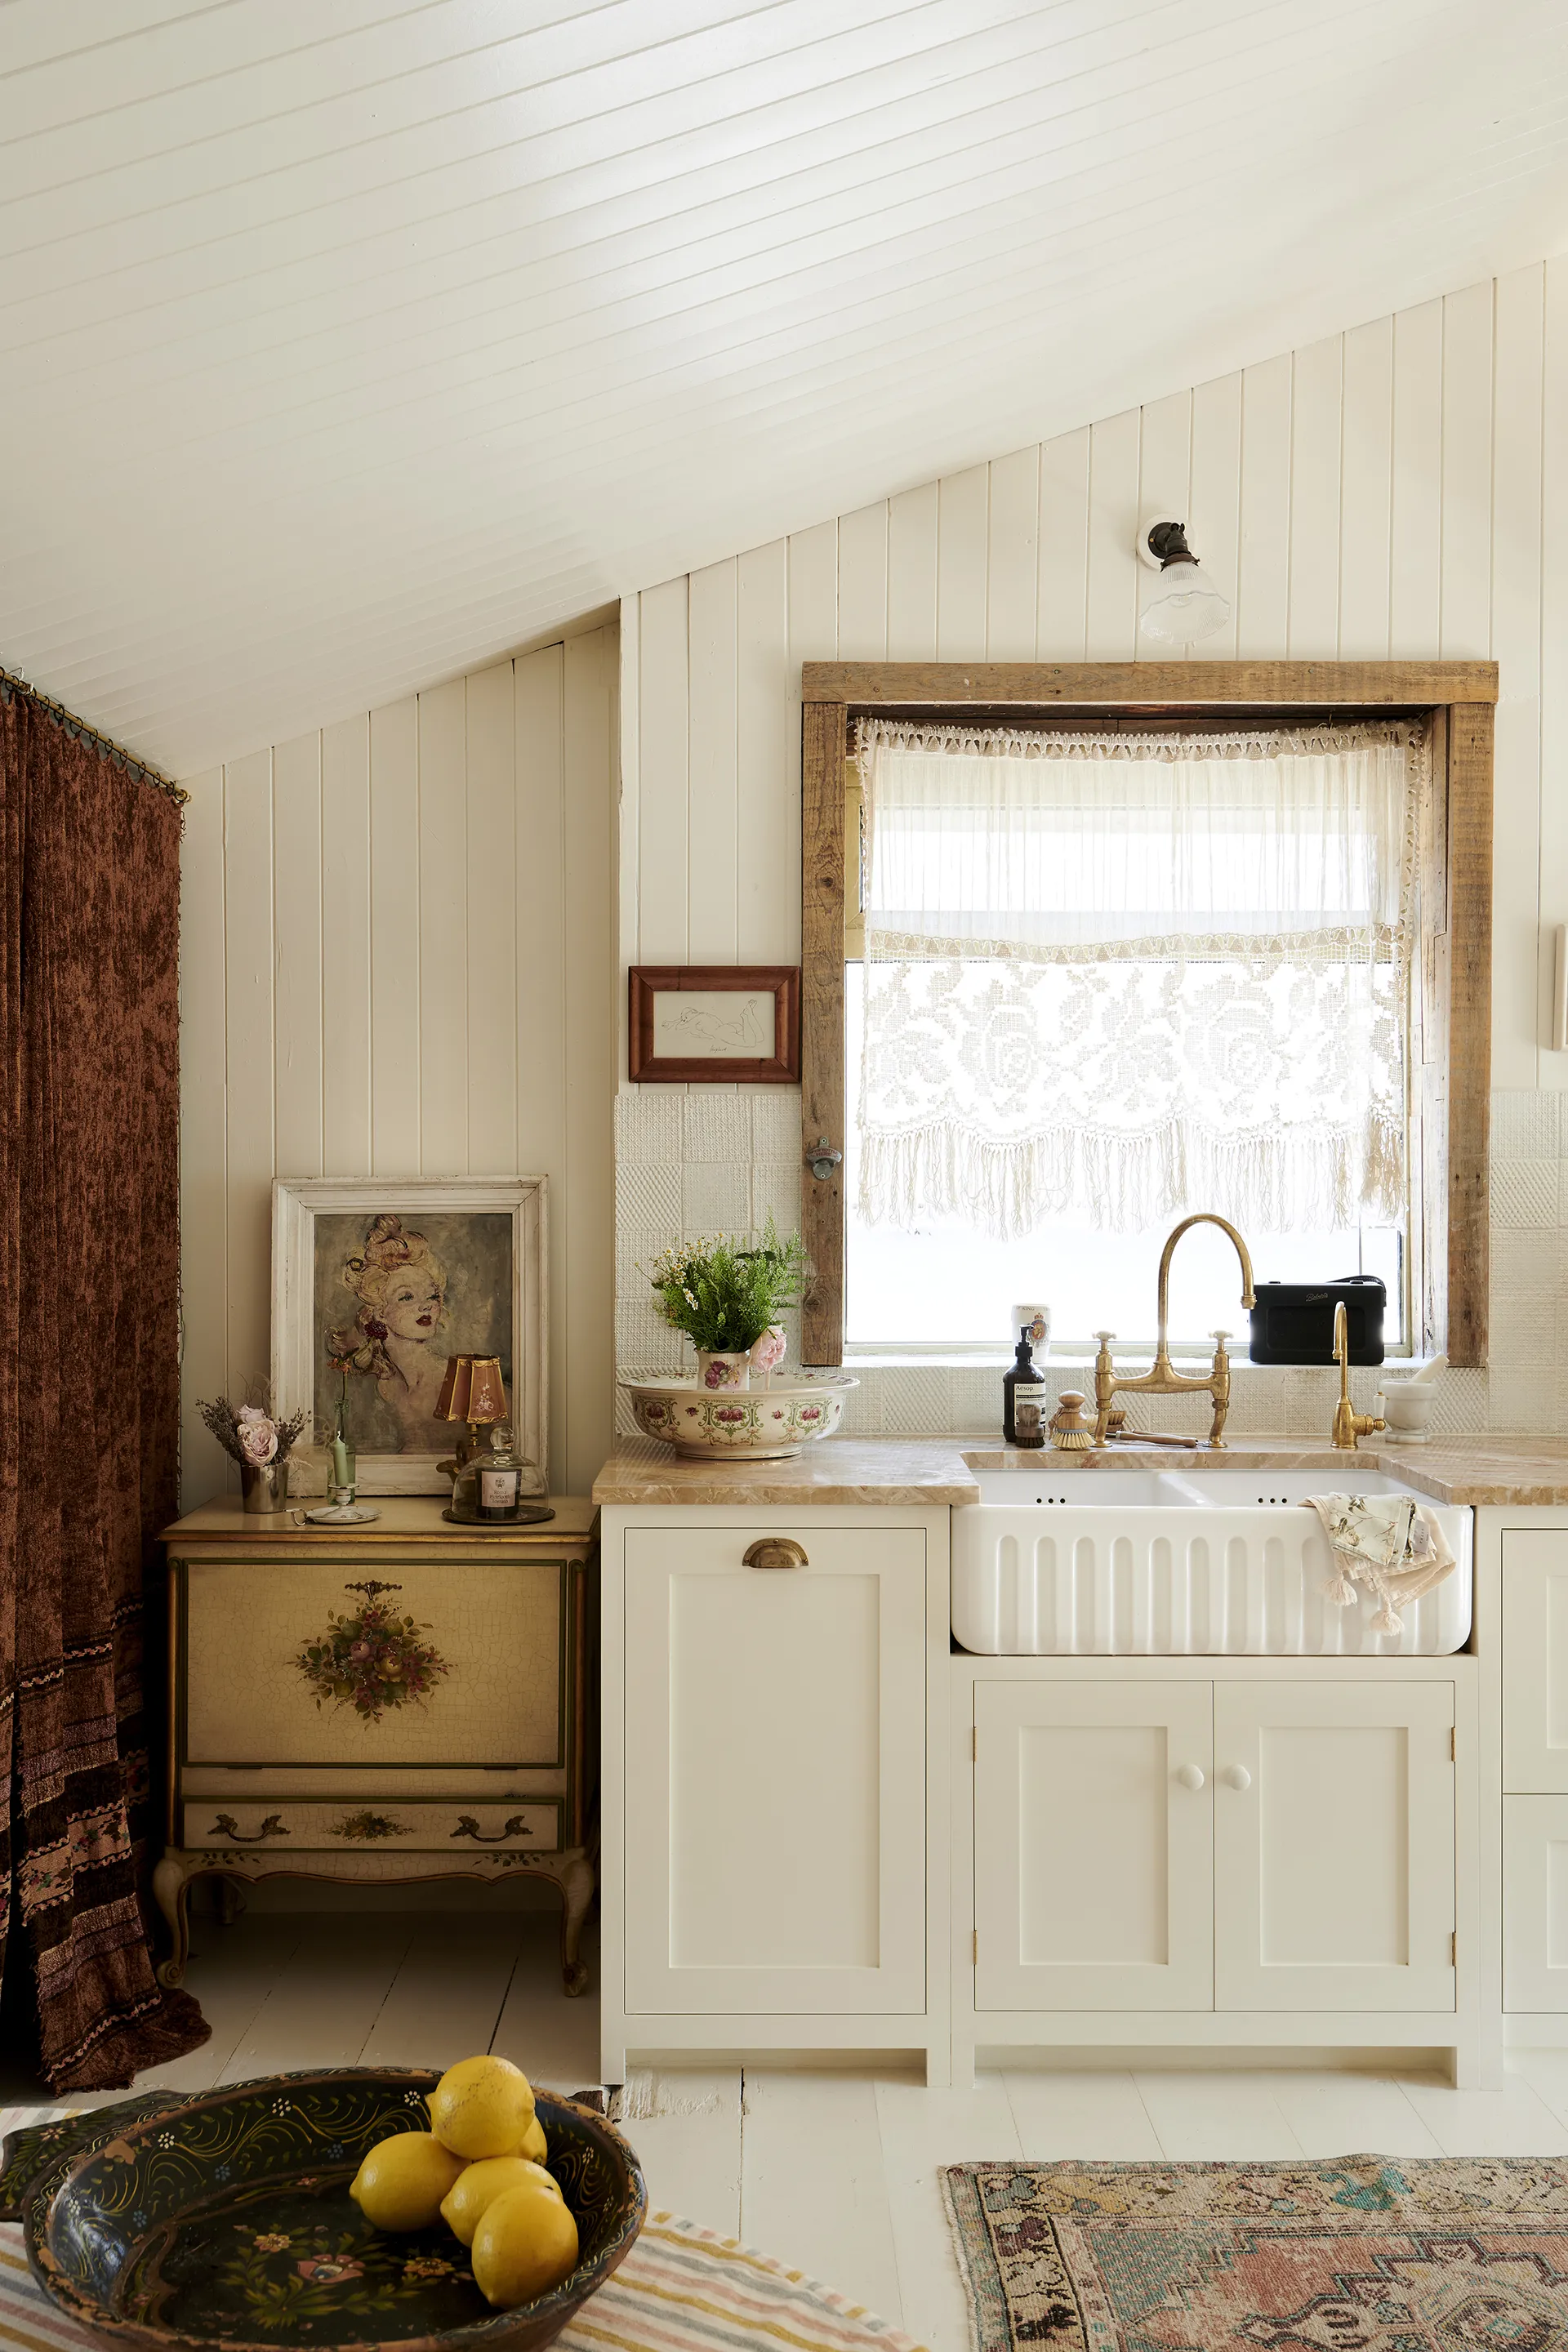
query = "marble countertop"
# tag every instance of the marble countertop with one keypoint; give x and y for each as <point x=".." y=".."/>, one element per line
<point x="925" y="1472"/>
<point x="919" y="1472"/>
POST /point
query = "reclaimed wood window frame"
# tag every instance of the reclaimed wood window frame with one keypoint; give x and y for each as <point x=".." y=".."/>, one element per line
<point x="1449" y="1284"/>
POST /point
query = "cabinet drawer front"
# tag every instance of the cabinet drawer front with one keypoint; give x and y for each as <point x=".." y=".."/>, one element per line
<point x="1093" y="1855"/>
<point x="1333" y="1817"/>
<point x="361" y="1825"/>
<point x="1535" y="1660"/>
<point x="260" y="1686"/>
<point x="775" y="1772"/>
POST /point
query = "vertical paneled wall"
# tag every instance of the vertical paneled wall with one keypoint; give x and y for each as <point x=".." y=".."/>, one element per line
<point x="1397" y="490"/>
<point x="396" y="959"/>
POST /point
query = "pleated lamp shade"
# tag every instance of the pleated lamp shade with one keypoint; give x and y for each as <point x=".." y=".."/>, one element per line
<point x="473" y="1390"/>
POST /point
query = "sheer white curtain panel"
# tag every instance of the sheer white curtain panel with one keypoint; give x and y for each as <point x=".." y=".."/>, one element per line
<point x="1113" y="976"/>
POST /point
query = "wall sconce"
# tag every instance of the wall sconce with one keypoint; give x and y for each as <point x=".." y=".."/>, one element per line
<point x="1186" y="605"/>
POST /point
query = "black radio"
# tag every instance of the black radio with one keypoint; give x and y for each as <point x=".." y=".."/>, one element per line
<point x="1293" y="1322"/>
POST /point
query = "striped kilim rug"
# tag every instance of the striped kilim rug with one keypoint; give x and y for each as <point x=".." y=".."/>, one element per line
<point x="1363" y="2253"/>
<point x="681" y="2289"/>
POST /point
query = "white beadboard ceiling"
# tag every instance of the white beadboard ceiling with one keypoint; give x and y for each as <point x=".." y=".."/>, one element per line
<point x="344" y="344"/>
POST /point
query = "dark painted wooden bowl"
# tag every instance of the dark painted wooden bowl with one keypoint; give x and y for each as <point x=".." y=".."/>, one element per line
<point x="225" y="2219"/>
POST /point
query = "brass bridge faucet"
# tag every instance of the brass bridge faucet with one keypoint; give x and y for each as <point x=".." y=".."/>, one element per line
<point x="1163" y="1379"/>
<point x="1349" y="1424"/>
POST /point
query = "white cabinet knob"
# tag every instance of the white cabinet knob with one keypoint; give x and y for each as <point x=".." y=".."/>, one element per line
<point x="1190" y="1776"/>
<point x="1237" y="1776"/>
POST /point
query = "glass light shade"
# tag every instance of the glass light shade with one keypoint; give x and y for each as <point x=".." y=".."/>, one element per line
<point x="1183" y="605"/>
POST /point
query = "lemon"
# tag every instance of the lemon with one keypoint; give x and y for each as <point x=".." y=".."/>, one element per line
<point x="481" y="2106"/>
<point x="478" y="2185"/>
<point x="535" y="2147"/>
<point x="525" y="2244"/>
<point x="402" y="2181"/>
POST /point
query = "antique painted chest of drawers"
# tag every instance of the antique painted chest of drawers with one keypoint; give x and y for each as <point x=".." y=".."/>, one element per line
<point x="403" y="1701"/>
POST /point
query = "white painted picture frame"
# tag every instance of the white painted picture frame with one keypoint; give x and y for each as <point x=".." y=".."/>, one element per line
<point x="297" y="1202"/>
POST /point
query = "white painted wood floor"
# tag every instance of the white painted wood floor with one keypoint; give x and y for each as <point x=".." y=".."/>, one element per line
<point x="833" y="2173"/>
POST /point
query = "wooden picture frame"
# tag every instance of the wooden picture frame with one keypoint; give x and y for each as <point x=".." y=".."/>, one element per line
<point x="493" y="1301"/>
<point x="722" y="1046"/>
<point x="1457" y="699"/>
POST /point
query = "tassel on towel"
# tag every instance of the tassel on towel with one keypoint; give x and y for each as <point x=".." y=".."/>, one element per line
<point x="1391" y="1544"/>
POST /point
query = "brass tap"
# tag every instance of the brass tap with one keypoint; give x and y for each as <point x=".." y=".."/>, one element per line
<point x="1163" y="1379"/>
<point x="1349" y="1424"/>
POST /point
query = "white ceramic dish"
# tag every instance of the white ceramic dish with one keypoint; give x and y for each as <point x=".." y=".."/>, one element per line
<point x="762" y="1423"/>
<point x="1407" y="1408"/>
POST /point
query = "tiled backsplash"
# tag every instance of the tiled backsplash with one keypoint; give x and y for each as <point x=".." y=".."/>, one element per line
<point x="687" y="1164"/>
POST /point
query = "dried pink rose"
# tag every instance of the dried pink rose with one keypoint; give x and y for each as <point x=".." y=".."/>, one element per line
<point x="257" y="1441"/>
<point x="768" y="1352"/>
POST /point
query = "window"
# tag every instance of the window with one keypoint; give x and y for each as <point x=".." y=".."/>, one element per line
<point x="1108" y="978"/>
<point x="1024" y="929"/>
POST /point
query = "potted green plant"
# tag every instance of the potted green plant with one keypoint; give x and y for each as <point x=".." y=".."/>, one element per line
<point x="727" y="1297"/>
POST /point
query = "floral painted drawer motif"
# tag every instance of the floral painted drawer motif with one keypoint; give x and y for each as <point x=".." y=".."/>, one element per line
<point x="371" y="1657"/>
<point x="455" y="1825"/>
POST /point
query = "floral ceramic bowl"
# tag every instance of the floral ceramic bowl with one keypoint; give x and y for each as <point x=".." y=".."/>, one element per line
<point x="225" y="2218"/>
<point x="762" y="1423"/>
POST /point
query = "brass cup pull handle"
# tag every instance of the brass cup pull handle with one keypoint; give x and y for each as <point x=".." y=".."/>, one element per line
<point x="774" y="1551"/>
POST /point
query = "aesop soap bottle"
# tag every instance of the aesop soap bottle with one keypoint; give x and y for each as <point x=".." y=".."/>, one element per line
<point x="1024" y="1397"/>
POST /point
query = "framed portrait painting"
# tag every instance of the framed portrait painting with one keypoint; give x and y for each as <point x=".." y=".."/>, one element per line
<point x="375" y="1283"/>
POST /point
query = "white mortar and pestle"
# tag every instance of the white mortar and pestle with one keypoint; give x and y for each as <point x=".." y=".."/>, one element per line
<point x="1407" y="1406"/>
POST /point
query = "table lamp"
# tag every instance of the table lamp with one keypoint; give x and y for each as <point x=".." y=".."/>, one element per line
<point x="488" y="1482"/>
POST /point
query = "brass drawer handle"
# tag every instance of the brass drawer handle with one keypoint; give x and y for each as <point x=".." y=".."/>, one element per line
<point x="227" y="1826"/>
<point x="774" y="1551"/>
<point x="515" y="1826"/>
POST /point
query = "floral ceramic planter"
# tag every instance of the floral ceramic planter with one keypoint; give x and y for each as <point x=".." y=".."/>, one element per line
<point x="763" y="1424"/>
<point x="717" y="1369"/>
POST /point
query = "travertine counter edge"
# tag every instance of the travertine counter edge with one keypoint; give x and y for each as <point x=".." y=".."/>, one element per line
<point x="919" y="1472"/>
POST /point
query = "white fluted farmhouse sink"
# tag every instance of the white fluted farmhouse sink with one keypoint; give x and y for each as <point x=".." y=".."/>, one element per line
<point x="1088" y="1562"/>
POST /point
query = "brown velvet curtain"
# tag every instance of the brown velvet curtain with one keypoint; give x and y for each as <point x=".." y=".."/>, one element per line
<point x="88" y="1383"/>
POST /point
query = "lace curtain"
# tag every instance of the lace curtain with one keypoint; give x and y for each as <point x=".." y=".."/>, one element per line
<point x="1111" y="977"/>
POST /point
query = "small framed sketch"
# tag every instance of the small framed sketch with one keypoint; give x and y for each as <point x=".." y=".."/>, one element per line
<point x="376" y="1282"/>
<point x="721" y="1023"/>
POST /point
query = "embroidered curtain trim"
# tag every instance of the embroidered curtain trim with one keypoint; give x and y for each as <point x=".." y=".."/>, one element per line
<point x="1035" y="1051"/>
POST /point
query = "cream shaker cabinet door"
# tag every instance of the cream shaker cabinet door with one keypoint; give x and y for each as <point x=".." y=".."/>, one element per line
<point x="1535" y="1903"/>
<point x="1333" y="1821"/>
<point x="775" y="1766"/>
<point x="1093" y="1846"/>
<point x="1535" y="1660"/>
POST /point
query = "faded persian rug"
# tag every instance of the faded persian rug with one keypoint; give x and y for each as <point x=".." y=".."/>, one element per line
<point x="1364" y="2254"/>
